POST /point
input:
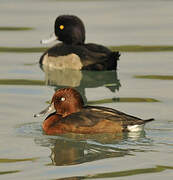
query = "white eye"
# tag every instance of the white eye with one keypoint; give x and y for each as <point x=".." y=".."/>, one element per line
<point x="63" y="99"/>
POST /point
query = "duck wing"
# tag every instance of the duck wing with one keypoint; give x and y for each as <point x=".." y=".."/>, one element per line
<point x="115" y="115"/>
<point x="91" y="115"/>
<point x="100" y="57"/>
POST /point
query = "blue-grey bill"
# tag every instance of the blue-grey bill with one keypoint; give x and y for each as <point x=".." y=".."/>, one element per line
<point x="50" y="39"/>
<point x="49" y="109"/>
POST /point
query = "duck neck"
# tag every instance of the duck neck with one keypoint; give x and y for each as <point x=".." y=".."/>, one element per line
<point x="50" y="121"/>
<point x="67" y="111"/>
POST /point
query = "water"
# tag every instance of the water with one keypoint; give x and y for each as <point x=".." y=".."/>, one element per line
<point x="142" y="87"/>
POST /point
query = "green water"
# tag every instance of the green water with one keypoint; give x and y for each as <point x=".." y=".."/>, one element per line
<point x="129" y="48"/>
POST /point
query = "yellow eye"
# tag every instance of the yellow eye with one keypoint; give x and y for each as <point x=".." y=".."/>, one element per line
<point x="61" y="27"/>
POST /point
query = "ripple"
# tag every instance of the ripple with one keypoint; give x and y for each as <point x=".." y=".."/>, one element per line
<point x="68" y="149"/>
<point x="129" y="48"/>
<point x="21" y="82"/>
<point x="34" y="129"/>
<point x="162" y="134"/>
<point x="159" y="77"/>
<point x="30" y="129"/>
<point x="131" y="172"/>
<point x="10" y="28"/>
<point x="9" y="172"/>
<point x="4" y="160"/>
<point x="124" y="99"/>
<point x="140" y="48"/>
<point x="22" y="49"/>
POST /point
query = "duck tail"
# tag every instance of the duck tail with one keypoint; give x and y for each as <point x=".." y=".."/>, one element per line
<point x="115" y="55"/>
<point x="113" y="58"/>
<point x="148" y="120"/>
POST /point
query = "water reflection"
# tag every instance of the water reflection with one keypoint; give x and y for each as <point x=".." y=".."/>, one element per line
<point x="73" y="152"/>
<point x="81" y="79"/>
<point x="66" y="151"/>
<point x="70" y="149"/>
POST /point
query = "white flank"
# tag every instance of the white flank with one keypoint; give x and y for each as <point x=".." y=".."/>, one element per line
<point x="135" y="128"/>
<point x="71" y="61"/>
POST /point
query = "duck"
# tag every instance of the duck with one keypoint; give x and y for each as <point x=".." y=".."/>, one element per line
<point x="71" y="115"/>
<point x="72" y="52"/>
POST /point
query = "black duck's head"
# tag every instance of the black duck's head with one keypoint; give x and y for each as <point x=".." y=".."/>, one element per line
<point x="69" y="29"/>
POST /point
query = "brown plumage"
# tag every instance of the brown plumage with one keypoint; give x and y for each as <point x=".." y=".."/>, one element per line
<point x="71" y="115"/>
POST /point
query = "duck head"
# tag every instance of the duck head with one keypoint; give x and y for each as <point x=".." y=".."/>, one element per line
<point x="69" y="29"/>
<point x="64" y="101"/>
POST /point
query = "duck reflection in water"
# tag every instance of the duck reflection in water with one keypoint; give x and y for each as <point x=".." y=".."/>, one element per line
<point x="81" y="79"/>
<point x="73" y="152"/>
<point x="72" y="149"/>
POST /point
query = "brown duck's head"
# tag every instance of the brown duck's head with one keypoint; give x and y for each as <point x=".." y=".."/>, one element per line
<point x="64" y="101"/>
<point x="67" y="101"/>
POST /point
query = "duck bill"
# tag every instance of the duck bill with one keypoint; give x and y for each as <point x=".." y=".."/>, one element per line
<point x="49" y="40"/>
<point x="47" y="110"/>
